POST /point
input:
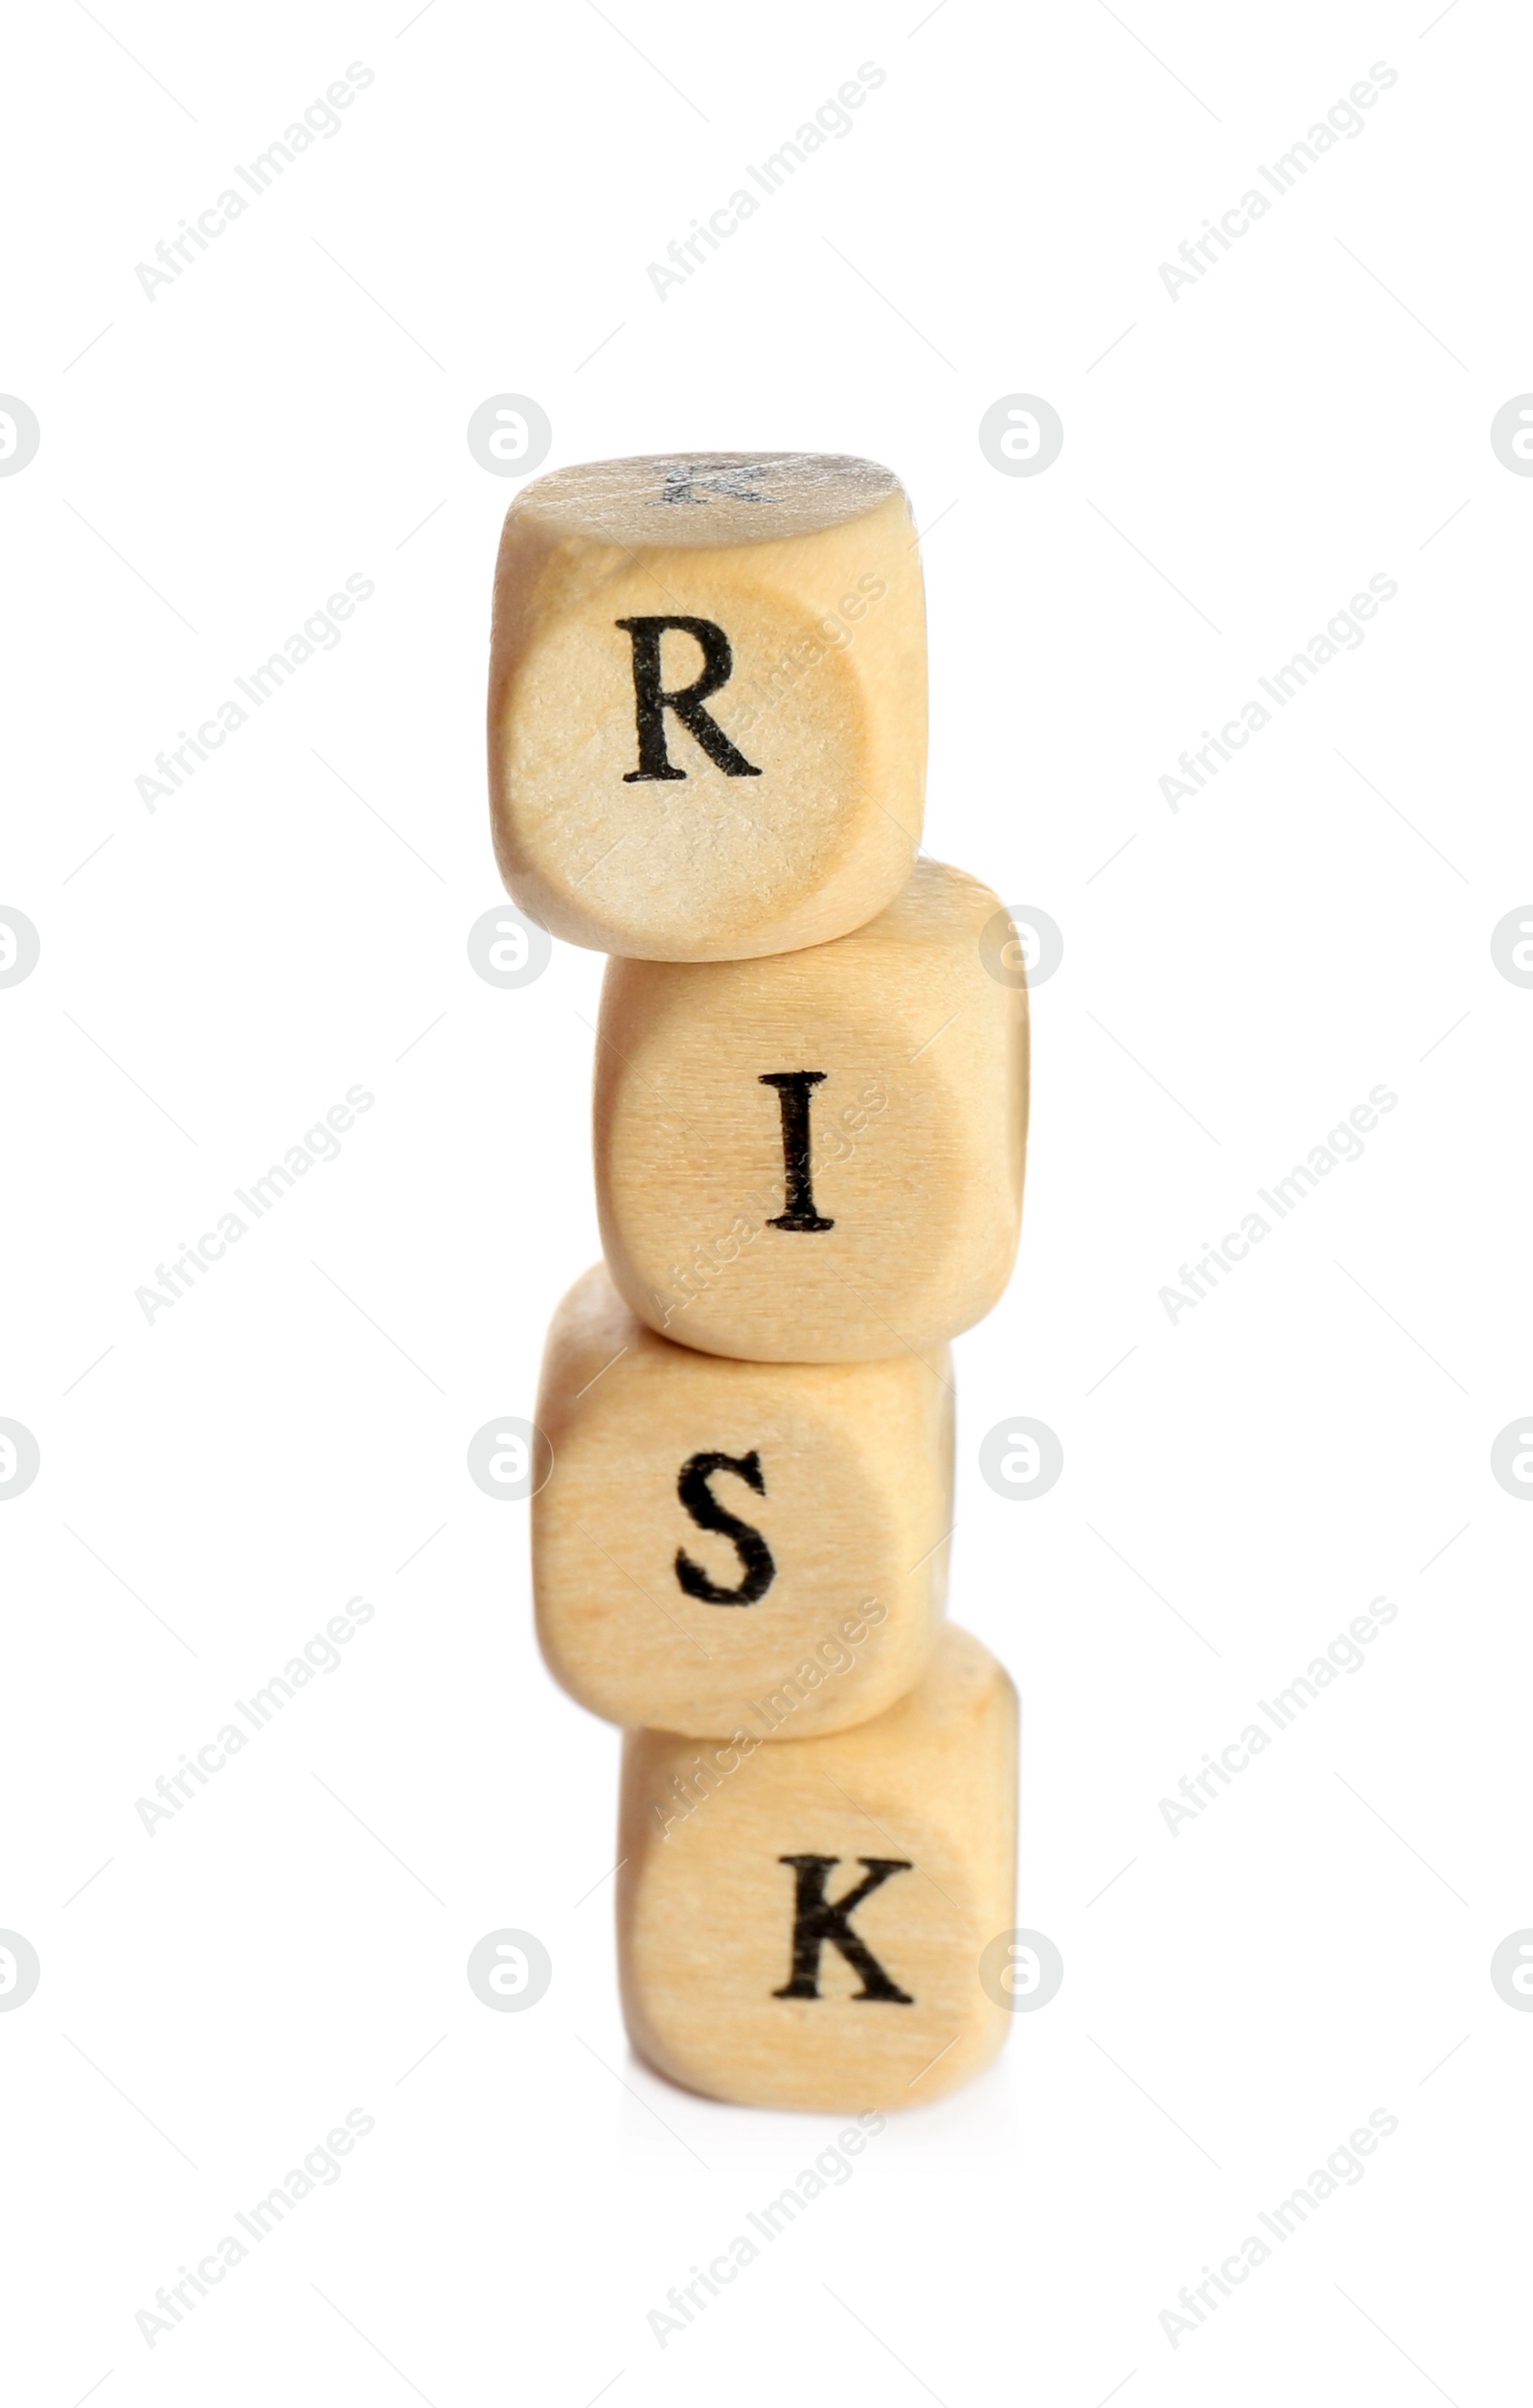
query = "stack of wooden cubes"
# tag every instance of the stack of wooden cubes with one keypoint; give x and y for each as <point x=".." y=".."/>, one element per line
<point x="707" y="736"/>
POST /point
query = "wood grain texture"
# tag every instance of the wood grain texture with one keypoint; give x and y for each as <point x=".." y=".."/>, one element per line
<point x="917" y="1129"/>
<point x="808" y="565"/>
<point x="843" y="1472"/>
<point x="707" y="1908"/>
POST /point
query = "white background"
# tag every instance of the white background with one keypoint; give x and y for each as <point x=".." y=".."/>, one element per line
<point x="1238" y="975"/>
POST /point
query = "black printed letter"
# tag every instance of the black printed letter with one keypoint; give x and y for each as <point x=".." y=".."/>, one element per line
<point x="793" y="1095"/>
<point x="816" y="1920"/>
<point x="757" y="1569"/>
<point x="652" y="701"/>
<point x="684" y="483"/>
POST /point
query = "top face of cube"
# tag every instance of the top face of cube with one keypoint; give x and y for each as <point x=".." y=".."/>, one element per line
<point x="714" y="498"/>
<point x="707" y="702"/>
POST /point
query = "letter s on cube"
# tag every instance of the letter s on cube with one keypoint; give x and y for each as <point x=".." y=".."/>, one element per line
<point x="670" y="776"/>
<point x="708" y="1525"/>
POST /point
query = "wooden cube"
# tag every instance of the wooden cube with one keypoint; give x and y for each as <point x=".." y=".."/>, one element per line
<point x="708" y="701"/>
<point x="801" y="1925"/>
<point x="736" y="1547"/>
<point x="818" y="1157"/>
